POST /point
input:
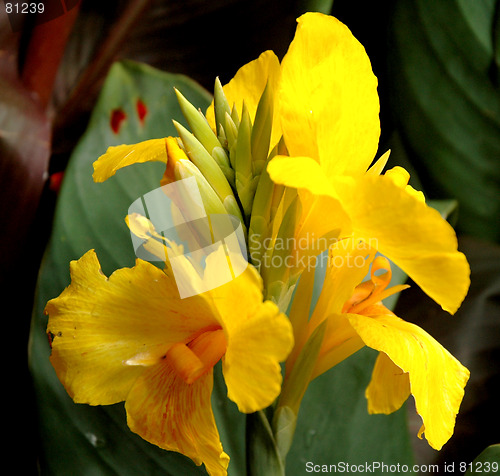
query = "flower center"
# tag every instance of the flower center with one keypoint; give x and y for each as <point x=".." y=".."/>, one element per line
<point x="192" y="360"/>
<point x="373" y="291"/>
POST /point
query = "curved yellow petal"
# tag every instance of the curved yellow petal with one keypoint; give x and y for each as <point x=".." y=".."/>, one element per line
<point x="166" y="411"/>
<point x="411" y="234"/>
<point x="248" y="85"/>
<point x="401" y="177"/>
<point x="243" y="292"/>
<point x="251" y="366"/>
<point x="328" y="98"/>
<point x="105" y="329"/>
<point x="348" y="263"/>
<point x="120" y="156"/>
<point x="389" y="387"/>
<point x="302" y="173"/>
<point x="340" y="342"/>
<point x="322" y="219"/>
<point x="437" y="379"/>
<point x="258" y="336"/>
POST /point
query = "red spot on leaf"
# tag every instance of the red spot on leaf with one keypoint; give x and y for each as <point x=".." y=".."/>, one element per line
<point x="117" y="117"/>
<point x="55" y="181"/>
<point x="142" y="110"/>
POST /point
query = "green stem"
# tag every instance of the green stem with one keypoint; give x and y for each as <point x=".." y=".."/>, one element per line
<point x="263" y="456"/>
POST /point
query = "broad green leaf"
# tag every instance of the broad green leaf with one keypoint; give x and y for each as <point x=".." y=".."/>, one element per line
<point x="487" y="462"/>
<point x="446" y="103"/>
<point x="334" y="427"/>
<point x="80" y="439"/>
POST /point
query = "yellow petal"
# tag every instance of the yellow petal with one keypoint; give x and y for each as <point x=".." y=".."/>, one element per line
<point x="348" y="263"/>
<point x="411" y="234"/>
<point x="389" y="387"/>
<point x="401" y="177"/>
<point x="317" y="231"/>
<point x="166" y="411"/>
<point x="258" y="336"/>
<point x="340" y="342"/>
<point x="323" y="218"/>
<point x="243" y="292"/>
<point x="251" y="366"/>
<point x="120" y="156"/>
<point x="328" y="101"/>
<point x="380" y="163"/>
<point x="302" y="173"/>
<point x="437" y="379"/>
<point x="248" y="85"/>
<point x="99" y="324"/>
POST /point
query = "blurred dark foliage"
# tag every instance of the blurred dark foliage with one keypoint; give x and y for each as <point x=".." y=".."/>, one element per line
<point x="49" y="82"/>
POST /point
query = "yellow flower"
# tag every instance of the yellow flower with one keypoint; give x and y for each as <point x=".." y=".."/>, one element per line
<point x="323" y="102"/>
<point x="352" y="315"/>
<point x="318" y="183"/>
<point x="329" y="118"/>
<point x="131" y="338"/>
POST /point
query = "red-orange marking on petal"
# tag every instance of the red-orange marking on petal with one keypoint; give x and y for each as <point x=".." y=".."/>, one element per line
<point x="117" y="117"/>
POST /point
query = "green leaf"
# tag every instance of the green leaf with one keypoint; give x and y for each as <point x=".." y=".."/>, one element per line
<point x="446" y="105"/>
<point x="487" y="462"/>
<point x="96" y="440"/>
<point x="334" y="427"/>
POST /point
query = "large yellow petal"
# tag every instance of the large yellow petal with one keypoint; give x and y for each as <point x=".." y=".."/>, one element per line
<point x="348" y="263"/>
<point x="389" y="387"/>
<point x="328" y="99"/>
<point x="437" y="379"/>
<point x="302" y="173"/>
<point x="323" y="217"/>
<point x="248" y="85"/>
<point x="340" y="342"/>
<point x="258" y="336"/>
<point x="243" y="292"/>
<point x="317" y="230"/>
<point x="411" y="234"/>
<point x="256" y="346"/>
<point x="166" y="411"/>
<point x="120" y="156"/>
<point x="100" y="324"/>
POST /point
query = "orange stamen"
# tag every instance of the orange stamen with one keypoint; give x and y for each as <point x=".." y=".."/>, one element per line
<point x="192" y="360"/>
<point x="374" y="291"/>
